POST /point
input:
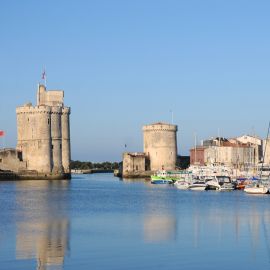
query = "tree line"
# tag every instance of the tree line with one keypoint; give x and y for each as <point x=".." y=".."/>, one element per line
<point x="87" y="165"/>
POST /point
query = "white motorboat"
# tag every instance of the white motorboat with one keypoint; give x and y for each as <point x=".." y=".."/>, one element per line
<point x="198" y="185"/>
<point x="180" y="184"/>
<point x="221" y="183"/>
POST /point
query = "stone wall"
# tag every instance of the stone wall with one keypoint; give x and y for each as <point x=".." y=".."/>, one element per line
<point x="133" y="163"/>
<point x="11" y="160"/>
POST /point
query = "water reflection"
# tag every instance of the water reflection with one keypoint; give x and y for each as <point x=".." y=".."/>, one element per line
<point x="160" y="221"/>
<point x="159" y="228"/>
<point x="42" y="231"/>
<point x="130" y="224"/>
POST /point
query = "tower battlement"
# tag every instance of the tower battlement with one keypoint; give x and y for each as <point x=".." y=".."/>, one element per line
<point x="160" y="127"/>
<point x="33" y="109"/>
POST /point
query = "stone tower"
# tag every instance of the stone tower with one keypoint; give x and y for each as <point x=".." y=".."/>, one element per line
<point x="43" y="133"/>
<point x="34" y="137"/>
<point x="160" y="145"/>
<point x="66" y="156"/>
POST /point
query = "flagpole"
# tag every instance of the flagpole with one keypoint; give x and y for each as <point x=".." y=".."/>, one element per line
<point x="171" y="111"/>
<point x="45" y="78"/>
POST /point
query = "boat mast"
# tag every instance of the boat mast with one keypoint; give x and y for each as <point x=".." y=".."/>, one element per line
<point x="195" y="148"/>
<point x="265" y="149"/>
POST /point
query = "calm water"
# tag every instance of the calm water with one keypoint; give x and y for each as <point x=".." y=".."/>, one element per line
<point x="99" y="222"/>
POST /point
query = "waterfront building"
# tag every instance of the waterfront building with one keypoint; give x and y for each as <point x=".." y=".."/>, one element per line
<point x="266" y="151"/>
<point x="223" y="151"/>
<point x="134" y="162"/>
<point x="256" y="143"/>
<point x="197" y="155"/>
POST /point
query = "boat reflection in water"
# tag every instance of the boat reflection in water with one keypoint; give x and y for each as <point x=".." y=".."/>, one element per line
<point x="42" y="231"/>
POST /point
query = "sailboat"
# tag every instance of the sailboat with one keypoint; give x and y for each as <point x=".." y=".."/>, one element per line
<point x="260" y="186"/>
<point x="257" y="188"/>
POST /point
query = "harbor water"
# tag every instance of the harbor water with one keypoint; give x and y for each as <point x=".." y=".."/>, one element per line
<point x="100" y="222"/>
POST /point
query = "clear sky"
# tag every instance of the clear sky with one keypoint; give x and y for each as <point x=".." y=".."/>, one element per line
<point x="123" y="64"/>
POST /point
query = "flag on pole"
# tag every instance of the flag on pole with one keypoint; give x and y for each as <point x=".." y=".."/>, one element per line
<point x="2" y="133"/>
<point x="43" y="75"/>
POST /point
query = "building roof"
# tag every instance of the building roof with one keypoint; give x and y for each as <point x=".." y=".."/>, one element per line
<point x="136" y="154"/>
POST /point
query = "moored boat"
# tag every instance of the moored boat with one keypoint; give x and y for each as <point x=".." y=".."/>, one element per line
<point x="181" y="184"/>
<point x="168" y="176"/>
<point x="198" y="185"/>
<point x="161" y="181"/>
<point x="221" y="183"/>
<point x="257" y="188"/>
<point x="161" y="178"/>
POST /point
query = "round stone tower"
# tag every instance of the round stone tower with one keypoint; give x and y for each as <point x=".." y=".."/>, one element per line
<point x="160" y="145"/>
<point x="56" y="133"/>
<point x="34" y="136"/>
<point x="66" y="156"/>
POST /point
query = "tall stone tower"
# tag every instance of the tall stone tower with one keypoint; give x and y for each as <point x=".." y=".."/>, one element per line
<point x="34" y="137"/>
<point x="160" y="145"/>
<point x="43" y="133"/>
<point x="66" y="156"/>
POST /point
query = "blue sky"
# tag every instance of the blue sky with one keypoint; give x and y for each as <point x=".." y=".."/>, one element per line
<point x="123" y="64"/>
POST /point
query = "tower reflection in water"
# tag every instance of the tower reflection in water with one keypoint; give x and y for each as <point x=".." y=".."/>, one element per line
<point x="43" y="223"/>
<point x="160" y="223"/>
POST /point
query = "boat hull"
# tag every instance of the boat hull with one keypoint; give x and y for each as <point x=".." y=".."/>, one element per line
<point x="161" y="181"/>
<point x="182" y="185"/>
<point x="256" y="190"/>
<point x="198" y="188"/>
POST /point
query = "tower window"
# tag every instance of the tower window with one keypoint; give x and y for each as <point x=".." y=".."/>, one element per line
<point x="48" y="121"/>
<point x="19" y="156"/>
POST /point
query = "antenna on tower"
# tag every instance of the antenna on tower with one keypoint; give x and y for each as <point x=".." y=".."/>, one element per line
<point x="171" y="111"/>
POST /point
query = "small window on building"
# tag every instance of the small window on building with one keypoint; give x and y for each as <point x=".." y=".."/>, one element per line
<point x="60" y="145"/>
<point x="52" y="146"/>
<point x="48" y="121"/>
<point x="19" y="155"/>
<point x="137" y="168"/>
<point x="0" y="160"/>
